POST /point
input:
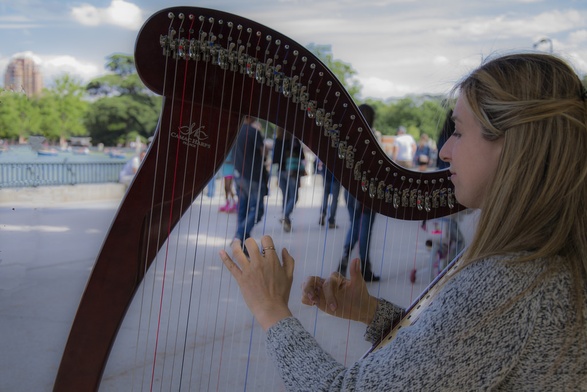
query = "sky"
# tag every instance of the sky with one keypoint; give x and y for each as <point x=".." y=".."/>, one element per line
<point x="396" y="47"/>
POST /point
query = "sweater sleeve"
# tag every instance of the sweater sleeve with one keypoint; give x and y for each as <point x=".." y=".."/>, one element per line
<point x="458" y="343"/>
<point x="385" y="316"/>
<point x="303" y="365"/>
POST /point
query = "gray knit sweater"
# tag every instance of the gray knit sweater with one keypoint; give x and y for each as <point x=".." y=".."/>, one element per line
<point x="465" y="340"/>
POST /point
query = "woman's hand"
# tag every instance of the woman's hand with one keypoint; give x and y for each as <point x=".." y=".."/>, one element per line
<point x="264" y="282"/>
<point x="340" y="297"/>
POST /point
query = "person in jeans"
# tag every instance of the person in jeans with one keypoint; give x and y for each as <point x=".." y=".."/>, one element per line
<point x="249" y="159"/>
<point x="331" y="191"/>
<point x="289" y="156"/>
<point x="362" y="219"/>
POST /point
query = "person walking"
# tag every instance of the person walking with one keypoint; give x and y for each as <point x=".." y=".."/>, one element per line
<point x="330" y="198"/>
<point x="288" y="154"/>
<point x="361" y="222"/>
<point x="404" y="148"/>
<point x="249" y="161"/>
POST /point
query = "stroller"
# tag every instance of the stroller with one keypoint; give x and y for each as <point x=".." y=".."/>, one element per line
<point x="446" y="244"/>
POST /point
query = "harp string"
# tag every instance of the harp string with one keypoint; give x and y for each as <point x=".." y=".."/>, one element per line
<point x="201" y="295"/>
<point x="169" y="227"/>
<point x="155" y="305"/>
<point x="177" y="331"/>
<point x="142" y="290"/>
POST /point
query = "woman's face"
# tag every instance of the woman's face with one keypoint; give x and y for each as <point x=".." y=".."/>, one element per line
<point x="473" y="159"/>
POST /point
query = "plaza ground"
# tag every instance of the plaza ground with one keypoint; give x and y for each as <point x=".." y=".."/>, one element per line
<point x="49" y="241"/>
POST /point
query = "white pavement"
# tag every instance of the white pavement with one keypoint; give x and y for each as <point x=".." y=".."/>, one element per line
<point x="47" y="250"/>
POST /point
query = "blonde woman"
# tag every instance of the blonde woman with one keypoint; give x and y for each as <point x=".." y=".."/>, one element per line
<point x="513" y="317"/>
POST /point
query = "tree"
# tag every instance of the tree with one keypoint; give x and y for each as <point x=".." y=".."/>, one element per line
<point x="432" y="115"/>
<point x="121" y="64"/>
<point x="10" y="128"/>
<point x="21" y="115"/>
<point x="419" y="114"/>
<point x="343" y="71"/>
<point x="123" y="79"/>
<point x="63" y="109"/>
<point x="118" y="120"/>
<point x="125" y="108"/>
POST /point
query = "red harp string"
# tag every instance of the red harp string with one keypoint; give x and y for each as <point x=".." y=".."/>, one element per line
<point x="158" y="288"/>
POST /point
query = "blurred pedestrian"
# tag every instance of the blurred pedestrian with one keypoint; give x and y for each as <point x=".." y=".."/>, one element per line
<point x="249" y="165"/>
<point x="288" y="154"/>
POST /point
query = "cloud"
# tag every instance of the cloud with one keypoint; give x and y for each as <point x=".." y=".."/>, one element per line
<point x="120" y="13"/>
<point x="16" y="21"/>
<point x="507" y="26"/>
<point x="440" y="60"/>
<point x="578" y="37"/>
<point x="377" y="87"/>
<point x="55" y="66"/>
<point x="28" y="54"/>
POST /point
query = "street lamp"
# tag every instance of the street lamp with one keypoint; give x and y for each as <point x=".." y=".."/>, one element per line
<point x="544" y="41"/>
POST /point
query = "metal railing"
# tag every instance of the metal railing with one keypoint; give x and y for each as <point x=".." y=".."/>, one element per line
<point x="23" y="174"/>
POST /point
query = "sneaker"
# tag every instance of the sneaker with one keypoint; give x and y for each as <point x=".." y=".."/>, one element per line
<point x="369" y="276"/>
<point x="332" y="225"/>
<point x="343" y="265"/>
<point x="286" y="223"/>
<point x="233" y="208"/>
<point x="225" y="207"/>
<point x="321" y="221"/>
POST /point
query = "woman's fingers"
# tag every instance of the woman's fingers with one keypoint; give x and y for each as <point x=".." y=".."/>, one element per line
<point x="267" y="246"/>
<point x="238" y="253"/>
<point x="253" y="249"/>
<point x="230" y="265"/>
<point x="312" y="290"/>
<point x="264" y="283"/>
<point x="355" y="271"/>
<point x="288" y="263"/>
<point x="330" y="289"/>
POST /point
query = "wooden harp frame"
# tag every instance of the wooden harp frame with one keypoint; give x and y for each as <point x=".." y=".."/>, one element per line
<point x="212" y="68"/>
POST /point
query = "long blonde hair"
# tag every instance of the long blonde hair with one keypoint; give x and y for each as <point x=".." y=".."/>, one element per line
<point x="536" y="203"/>
<point x="537" y="103"/>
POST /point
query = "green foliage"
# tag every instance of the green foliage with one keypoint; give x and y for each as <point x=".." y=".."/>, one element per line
<point x="344" y="72"/>
<point x="19" y="116"/>
<point x="118" y="120"/>
<point x="10" y="124"/>
<point x="63" y="109"/>
<point x="120" y="107"/>
<point x="121" y="64"/>
<point x="123" y="79"/>
<point x="57" y="113"/>
<point x="125" y="108"/>
<point x="418" y="114"/>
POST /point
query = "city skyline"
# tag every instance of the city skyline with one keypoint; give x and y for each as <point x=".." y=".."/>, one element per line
<point x="23" y="75"/>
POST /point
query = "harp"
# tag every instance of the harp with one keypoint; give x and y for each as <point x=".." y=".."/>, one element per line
<point x="212" y="68"/>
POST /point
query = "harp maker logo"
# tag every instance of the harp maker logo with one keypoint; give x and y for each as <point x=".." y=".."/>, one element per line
<point x="192" y="136"/>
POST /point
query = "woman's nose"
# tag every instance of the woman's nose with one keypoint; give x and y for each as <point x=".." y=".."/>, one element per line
<point x="444" y="153"/>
